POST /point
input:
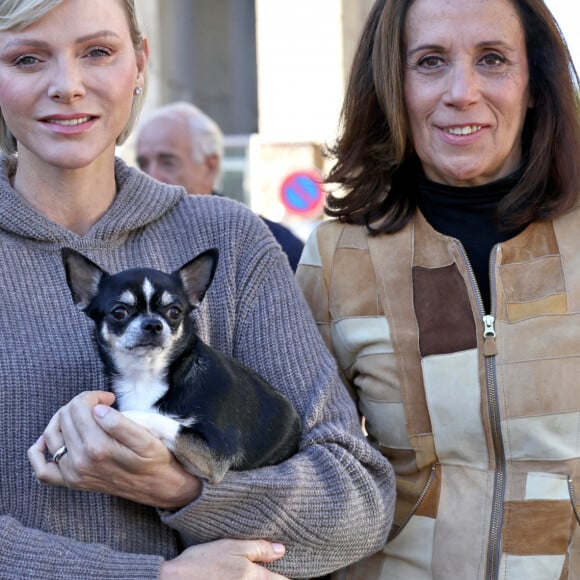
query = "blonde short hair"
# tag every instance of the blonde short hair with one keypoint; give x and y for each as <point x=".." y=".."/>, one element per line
<point x="19" y="14"/>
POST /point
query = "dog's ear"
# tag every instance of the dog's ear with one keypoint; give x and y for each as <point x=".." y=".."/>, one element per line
<point x="196" y="275"/>
<point x="82" y="277"/>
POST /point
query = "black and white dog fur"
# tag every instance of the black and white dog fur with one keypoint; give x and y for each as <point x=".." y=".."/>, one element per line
<point x="212" y="412"/>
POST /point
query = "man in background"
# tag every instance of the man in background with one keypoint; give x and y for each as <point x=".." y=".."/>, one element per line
<point x="180" y="145"/>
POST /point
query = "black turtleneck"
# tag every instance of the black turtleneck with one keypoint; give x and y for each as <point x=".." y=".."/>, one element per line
<point x="469" y="215"/>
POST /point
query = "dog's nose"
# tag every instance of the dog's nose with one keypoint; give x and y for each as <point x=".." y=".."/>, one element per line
<point x="152" y="326"/>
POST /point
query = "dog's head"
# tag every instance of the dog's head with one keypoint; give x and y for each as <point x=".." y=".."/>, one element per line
<point x="142" y="311"/>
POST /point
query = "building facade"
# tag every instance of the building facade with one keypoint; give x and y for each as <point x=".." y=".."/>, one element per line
<point x="272" y="74"/>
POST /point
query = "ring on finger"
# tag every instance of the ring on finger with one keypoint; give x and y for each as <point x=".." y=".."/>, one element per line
<point x="59" y="453"/>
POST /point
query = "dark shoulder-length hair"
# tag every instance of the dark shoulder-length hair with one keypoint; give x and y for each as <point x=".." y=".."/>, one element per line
<point x="375" y="146"/>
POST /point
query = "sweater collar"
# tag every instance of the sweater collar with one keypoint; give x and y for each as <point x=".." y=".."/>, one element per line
<point x="140" y="200"/>
<point x="467" y="198"/>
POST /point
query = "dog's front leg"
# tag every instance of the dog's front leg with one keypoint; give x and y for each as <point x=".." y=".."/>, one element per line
<point x="163" y="427"/>
<point x="189" y="449"/>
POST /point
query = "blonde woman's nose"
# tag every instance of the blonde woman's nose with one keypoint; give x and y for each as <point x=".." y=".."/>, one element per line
<point x="66" y="82"/>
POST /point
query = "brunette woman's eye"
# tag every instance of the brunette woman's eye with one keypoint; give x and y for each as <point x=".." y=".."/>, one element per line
<point x="493" y="59"/>
<point x="430" y="62"/>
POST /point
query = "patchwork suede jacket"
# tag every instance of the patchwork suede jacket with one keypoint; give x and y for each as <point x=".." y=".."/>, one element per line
<point x="479" y="412"/>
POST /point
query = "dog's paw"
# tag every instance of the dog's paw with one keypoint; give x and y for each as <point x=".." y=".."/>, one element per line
<point x="163" y="427"/>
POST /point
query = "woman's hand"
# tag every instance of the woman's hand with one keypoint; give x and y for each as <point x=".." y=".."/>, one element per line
<point x="108" y="453"/>
<point x="224" y="559"/>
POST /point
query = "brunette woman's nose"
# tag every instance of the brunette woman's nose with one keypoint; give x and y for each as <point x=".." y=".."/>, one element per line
<point x="463" y="86"/>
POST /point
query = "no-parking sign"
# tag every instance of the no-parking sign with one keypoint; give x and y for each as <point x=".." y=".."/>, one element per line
<point x="302" y="193"/>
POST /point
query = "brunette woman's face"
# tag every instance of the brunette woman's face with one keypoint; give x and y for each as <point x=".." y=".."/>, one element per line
<point x="466" y="88"/>
<point x="67" y="82"/>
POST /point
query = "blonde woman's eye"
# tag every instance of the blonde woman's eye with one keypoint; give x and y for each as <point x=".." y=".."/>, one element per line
<point x="99" y="52"/>
<point x="26" y="60"/>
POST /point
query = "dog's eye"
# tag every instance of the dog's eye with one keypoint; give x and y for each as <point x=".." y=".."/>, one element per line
<point x="174" y="313"/>
<point x="119" y="313"/>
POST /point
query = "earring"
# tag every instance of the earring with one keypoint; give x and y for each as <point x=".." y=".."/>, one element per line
<point x="138" y="91"/>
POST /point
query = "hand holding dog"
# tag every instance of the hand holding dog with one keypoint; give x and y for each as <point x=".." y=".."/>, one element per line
<point x="108" y="453"/>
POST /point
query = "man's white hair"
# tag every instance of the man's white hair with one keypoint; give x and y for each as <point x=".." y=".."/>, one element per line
<point x="206" y="136"/>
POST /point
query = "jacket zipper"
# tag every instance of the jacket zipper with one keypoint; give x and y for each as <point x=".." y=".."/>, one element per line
<point x="490" y="352"/>
<point x="416" y="504"/>
<point x="494" y="543"/>
<point x="573" y="498"/>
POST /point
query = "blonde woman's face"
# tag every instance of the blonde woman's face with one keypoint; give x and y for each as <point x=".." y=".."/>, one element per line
<point x="466" y="88"/>
<point x="67" y="83"/>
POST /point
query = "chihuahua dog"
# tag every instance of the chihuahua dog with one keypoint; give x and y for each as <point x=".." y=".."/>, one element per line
<point x="211" y="411"/>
